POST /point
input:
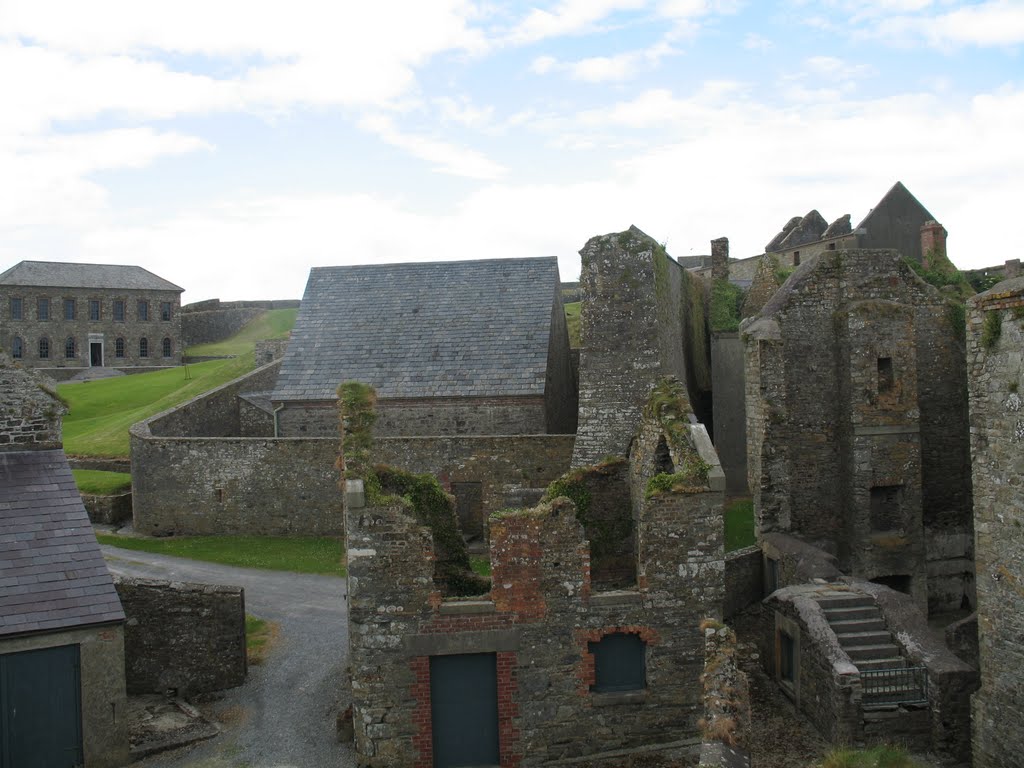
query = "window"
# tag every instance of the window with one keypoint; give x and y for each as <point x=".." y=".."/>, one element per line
<point x="119" y="309"/>
<point x="831" y="246"/>
<point x="165" y="310"/>
<point x="69" y="309"/>
<point x="619" y="663"/>
<point x="796" y="258"/>
<point x="166" y="347"/>
<point x="771" y="575"/>
<point x="16" y="308"/>
<point x="142" y="309"/>
<point x="143" y="347"/>
<point x="69" y="347"/>
<point x="94" y="309"/>
<point x="787" y="658"/>
<point x="44" y="348"/>
<point x="119" y="347"/>
<point x="885" y="375"/>
<point x="42" y="309"/>
<point x="17" y="350"/>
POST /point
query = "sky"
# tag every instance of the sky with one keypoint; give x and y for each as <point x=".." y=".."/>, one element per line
<point x="230" y="145"/>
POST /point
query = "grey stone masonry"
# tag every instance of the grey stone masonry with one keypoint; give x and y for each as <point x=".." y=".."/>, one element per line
<point x="30" y="410"/>
<point x="995" y="351"/>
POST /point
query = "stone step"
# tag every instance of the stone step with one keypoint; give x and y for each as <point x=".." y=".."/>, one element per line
<point x="847" y="600"/>
<point x="847" y="614"/>
<point x="890" y="662"/>
<point x="854" y="639"/>
<point x="872" y="652"/>
<point x="857" y="625"/>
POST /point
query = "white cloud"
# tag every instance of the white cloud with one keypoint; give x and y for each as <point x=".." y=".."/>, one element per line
<point x="568" y="17"/>
<point x="755" y="42"/>
<point x="605" y="69"/>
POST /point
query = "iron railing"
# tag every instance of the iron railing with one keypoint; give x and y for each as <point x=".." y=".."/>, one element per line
<point x="908" y="685"/>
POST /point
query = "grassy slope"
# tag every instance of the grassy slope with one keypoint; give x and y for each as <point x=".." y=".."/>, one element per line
<point x="321" y="554"/>
<point x="103" y="483"/>
<point x="102" y="411"/>
<point x="274" y="324"/>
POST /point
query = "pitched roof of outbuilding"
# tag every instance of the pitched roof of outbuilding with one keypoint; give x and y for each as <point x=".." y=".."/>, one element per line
<point x="56" y="274"/>
<point x="426" y="329"/>
<point x="52" y="575"/>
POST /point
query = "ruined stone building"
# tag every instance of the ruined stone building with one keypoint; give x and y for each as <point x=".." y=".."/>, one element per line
<point x="62" y="681"/>
<point x="856" y="424"/>
<point x="995" y="355"/>
<point x="65" y="317"/>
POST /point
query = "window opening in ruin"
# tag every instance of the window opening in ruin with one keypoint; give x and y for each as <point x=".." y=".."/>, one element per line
<point x="44" y="348"/>
<point x="885" y="374"/>
<point x="69" y="309"/>
<point x="17" y="349"/>
<point x="69" y="347"/>
<point x="469" y="506"/>
<point x="831" y="246"/>
<point x="771" y="575"/>
<point x="219" y="493"/>
<point x="886" y="507"/>
<point x="94" y="309"/>
<point x="119" y="347"/>
<point x="16" y="308"/>
<point x="796" y="258"/>
<point x="142" y="308"/>
<point x="899" y="582"/>
<point x="787" y="658"/>
<point x="464" y="709"/>
<point x="119" y="309"/>
<point x="619" y="663"/>
<point x="143" y="347"/>
<point x="663" y="458"/>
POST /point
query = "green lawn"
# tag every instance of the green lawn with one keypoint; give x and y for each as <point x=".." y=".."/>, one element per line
<point x="886" y="756"/>
<point x="739" y="524"/>
<point x="481" y="564"/>
<point x="102" y="483"/>
<point x="102" y="411"/>
<point x="275" y="324"/>
<point x="572" y="319"/>
<point x="321" y="554"/>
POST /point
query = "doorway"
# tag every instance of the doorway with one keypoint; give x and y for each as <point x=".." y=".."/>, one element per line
<point x="464" y="709"/>
<point x="96" y="354"/>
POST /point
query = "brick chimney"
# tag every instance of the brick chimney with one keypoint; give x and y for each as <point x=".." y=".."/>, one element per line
<point x="720" y="259"/>
<point x="933" y="242"/>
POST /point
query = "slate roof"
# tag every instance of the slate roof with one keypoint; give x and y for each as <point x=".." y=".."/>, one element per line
<point x="52" y="575"/>
<point x="426" y="329"/>
<point x="58" y="274"/>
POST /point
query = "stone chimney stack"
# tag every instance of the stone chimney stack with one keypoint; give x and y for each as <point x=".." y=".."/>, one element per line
<point x="933" y="241"/>
<point x="1011" y="269"/>
<point x="720" y="259"/>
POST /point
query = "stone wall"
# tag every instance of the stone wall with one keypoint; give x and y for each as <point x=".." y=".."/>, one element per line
<point x="995" y="343"/>
<point x="206" y="326"/>
<point x="30" y="411"/>
<point x="269" y="350"/>
<point x="643" y="317"/>
<point x="744" y="580"/>
<point x="730" y="416"/>
<point x="561" y="389"/>
<point x="105" y="331"/>
<point x="189" y="638"/>
<point x="108" y="509"/>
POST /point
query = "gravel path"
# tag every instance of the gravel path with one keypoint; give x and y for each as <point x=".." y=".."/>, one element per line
<point x="284" y="714"/>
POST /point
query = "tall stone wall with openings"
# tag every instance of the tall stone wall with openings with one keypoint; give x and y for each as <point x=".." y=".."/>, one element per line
<point x="643" y="317"/>
<point x="856" y="423"/>
<point x="995" y="348"/>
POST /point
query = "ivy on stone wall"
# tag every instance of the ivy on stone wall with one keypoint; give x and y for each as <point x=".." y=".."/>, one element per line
<point x="726" y="304"/>
<point x="992" y="328"/>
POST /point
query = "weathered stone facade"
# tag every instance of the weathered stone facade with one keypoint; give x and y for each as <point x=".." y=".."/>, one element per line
<point x="995" y="344"/>
<point x="642" y="318"/>
<point x="857" y="439"/>
<point x="30" y="412"/>
<point x="189" y="638"/>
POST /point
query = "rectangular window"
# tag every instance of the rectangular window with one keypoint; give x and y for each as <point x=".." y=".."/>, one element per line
<point x="787" y="658"/>
<point x="885" y="374"/>
<point x="831" y="246"/>
<point x="94" y="309"/>
<point x="771" y="575"/>
<point x="69" y="309"/>
<point x="796" y="258"/>
<point x="619" y="663"/>
<point x="16" y="308"/>
<point x="165" y="310"/>
<point x="119" y="309"/>
<point x="42" y="309"/>
<point x="142" y="308"/>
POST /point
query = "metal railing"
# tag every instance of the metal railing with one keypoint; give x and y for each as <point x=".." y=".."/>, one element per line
<point x="908" y="685"/>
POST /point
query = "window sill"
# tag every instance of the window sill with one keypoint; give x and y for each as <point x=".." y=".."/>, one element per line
<point x="614" y="698"/>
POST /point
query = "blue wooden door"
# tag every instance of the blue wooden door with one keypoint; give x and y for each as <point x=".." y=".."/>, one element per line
<point x="464" y="709"/>
<point x="40" y="709"/>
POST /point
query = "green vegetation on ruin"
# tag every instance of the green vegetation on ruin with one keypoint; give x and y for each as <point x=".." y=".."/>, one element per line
<point x="605" y="535"/>
<point x="301" y="554"/>
<point x="572" y="320"/>
<point x="102" y="483"/>
<point x="273" y="324"/>
<point x="481" y="565"/>
<point x="992" y="328"/>
<point x="884" y="756"/>
<point x="726" y="305"/>
<point x="739" y="524"/>
<point x="101" y="411"/>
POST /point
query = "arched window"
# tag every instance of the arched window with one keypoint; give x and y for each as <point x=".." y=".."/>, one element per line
<point x="143" y="347"/>
<point x="119" y="347"/>
<point x="69" y="347"/>
<point x="17" y="350"/>
<point x="44" y="348"/>
<point x="167" y="347"/>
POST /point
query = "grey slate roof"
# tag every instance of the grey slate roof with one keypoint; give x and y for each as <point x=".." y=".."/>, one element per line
<point x="426" y="329"/>
<point x="52" y="575"/>
<point x="58" y="274"/>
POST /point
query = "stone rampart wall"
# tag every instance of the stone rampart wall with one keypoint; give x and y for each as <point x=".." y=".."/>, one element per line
<point x="216" y="325"/>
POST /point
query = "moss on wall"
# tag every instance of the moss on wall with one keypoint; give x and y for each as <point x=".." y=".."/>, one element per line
<point x="726" y="305"/>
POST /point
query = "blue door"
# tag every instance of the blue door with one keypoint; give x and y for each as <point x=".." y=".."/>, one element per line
<point x="40" y="709"/>
<point x="464" y="709"/>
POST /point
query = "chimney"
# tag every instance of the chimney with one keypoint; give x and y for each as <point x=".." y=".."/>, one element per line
<point x="720" y="259"/>
<point x="1011" y="269"/>
<point x="933" y="242"/>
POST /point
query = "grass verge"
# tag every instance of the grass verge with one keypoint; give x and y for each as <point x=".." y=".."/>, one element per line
<point x="739" y="524"/>
<point x="102" y="483"/>
<point x="274" y="324"/>
<point x="885" y="756"/>
<point x="102" y="411"/>
<point x="321" y="554"/>
<point x="260" y="636"/>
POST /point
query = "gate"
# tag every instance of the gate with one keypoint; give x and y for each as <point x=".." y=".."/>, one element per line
<point x="464" y="709"/>
<point x="40" y="709"/>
